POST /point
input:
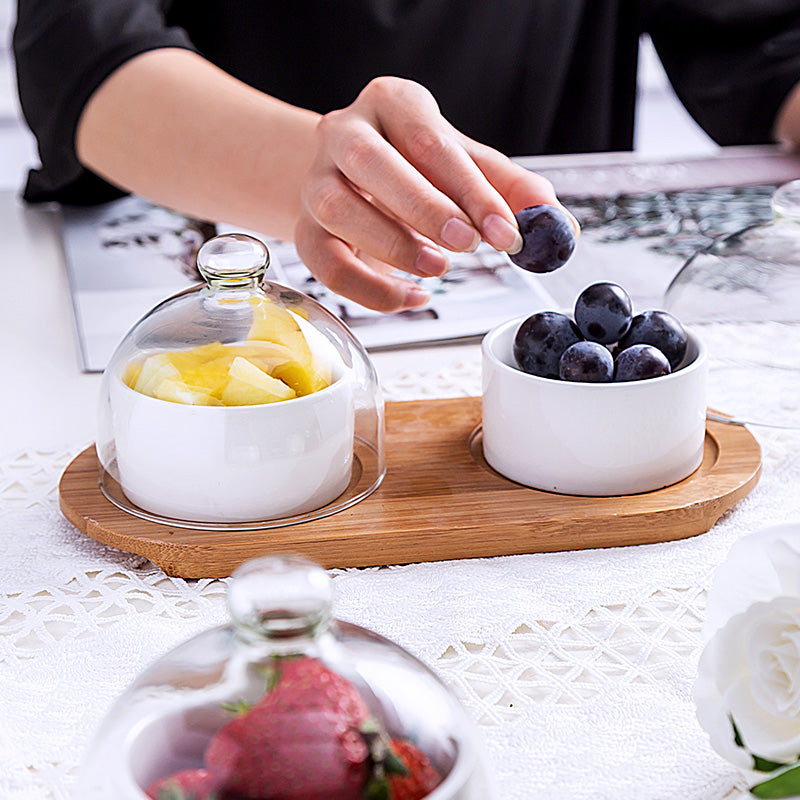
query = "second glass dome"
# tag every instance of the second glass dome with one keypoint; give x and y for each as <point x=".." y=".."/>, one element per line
<point x="286" y="702"/>
<point x="239" y="403"/>
<point x="752" y="275"/>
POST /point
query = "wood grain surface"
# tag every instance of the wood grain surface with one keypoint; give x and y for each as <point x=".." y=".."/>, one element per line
<point x="439" y="500"/>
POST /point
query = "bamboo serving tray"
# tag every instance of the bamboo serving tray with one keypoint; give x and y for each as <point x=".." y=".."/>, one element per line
<point x="439" y="500"/>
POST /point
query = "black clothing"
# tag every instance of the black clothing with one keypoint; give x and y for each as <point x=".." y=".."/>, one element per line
<point x="524" y="76"/>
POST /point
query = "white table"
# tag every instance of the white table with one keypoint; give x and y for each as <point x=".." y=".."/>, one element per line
<point x="577" y="667"/>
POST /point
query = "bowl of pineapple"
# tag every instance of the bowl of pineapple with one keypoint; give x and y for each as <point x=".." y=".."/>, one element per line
<point x="236" y="401"/>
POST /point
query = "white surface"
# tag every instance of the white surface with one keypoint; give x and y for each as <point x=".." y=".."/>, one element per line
<point x="53" y="402"/>
<point x="597" y="439"/>
<point x="576" y="666"/>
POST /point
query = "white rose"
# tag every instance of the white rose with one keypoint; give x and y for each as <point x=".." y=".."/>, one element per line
<point x="749" y="672"/>
<point x="759" y="567"/>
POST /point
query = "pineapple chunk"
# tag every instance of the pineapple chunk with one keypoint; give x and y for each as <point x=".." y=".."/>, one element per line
<point x="211" y="376"/>
<point x="154" y="370"/>
<point x="271" y="323"/>
<point x="248" y="385"/>
<point x="274" y="363"/>
<point x="265" y="355"/>
<point x="131" y="373"/>
<point x="303" y="378"/>
<point x="177" y="391"/>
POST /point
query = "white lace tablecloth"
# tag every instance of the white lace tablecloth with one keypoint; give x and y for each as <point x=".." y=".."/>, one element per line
<point x="577" y="667"/>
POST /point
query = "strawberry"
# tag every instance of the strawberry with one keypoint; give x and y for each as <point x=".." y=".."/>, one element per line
<point x="300" y="741"/>
<point x="421" y="778"/>
<point x="188" y="784"/>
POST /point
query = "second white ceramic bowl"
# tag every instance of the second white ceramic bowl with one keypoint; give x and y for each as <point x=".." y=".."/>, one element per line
<point x="597" y="439"/>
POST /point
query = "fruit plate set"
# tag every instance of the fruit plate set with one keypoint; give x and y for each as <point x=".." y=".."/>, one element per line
<point x="439" y="500"/>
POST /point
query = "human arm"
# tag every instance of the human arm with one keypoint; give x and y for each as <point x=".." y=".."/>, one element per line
<point x="174" y="128"/>
<point x="382" y="184"/>
<point x="787" y="124"/>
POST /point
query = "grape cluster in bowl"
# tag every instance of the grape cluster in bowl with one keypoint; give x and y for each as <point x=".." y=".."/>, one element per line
<point x="604" y="342"/>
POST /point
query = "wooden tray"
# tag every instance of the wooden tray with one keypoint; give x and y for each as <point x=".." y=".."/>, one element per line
<point x="439" y="500"/>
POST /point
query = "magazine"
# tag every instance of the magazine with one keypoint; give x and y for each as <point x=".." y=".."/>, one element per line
<point x="125" y="257"/>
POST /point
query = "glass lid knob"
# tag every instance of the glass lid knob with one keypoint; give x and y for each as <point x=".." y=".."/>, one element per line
<point x="785" y="201"/>
<point x="233" y="259"/>
<point x="280" y="597"/>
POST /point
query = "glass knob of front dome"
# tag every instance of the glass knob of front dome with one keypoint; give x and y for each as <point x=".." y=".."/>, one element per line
<point x="233" y="260"/>
<point x="280" y="597"/>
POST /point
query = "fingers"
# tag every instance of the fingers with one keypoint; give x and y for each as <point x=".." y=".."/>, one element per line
<point x="392" y="183"/>
<point x="377" y="167"/>
<point x="401" y="150"/>
<point x="452" y="190"/>
<point x="520" y="187"/>
<point x="346" y="272"/>
<point x="347" y="214"/>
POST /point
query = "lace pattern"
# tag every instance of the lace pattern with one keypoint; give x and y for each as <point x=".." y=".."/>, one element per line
<point x="576" y="667"/>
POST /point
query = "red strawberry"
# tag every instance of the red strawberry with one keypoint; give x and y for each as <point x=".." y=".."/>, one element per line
<point x="421" y="779"/>
<point x="301" y="741"/>
<point x="188" y="784"/>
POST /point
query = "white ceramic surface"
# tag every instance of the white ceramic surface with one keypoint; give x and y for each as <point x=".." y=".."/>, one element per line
<point x="597" y="439"/>
<point x="234" y="464"/>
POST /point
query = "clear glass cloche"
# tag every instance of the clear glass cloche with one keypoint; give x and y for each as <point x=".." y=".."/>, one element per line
<point x="752" y="275"/>
<point x="285" y="702"/>
<point x="239" y="403"/>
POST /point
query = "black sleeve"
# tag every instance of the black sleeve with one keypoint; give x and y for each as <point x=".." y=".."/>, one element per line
<point x="731" y="62"/>
<point x="63" y="52"/>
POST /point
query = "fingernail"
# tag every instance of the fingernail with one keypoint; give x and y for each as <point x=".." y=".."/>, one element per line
<point x="416" y="296"/>
<point x="430" y="261"/>
<point x="459" y="235"/>
<point x="501" y="234"/>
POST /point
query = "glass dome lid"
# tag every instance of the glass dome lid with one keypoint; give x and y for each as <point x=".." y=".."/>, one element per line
<point x="239" y="403"/>
<point x="285" y="702"/>
<point x="751" y="275"/>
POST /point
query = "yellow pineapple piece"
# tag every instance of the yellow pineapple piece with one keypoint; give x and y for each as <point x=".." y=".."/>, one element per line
<point x="155" y="368"/>
<point x="271" y="323"/>
<point x="249" y="385"/>
<point x="131" y="373"/>
<point x="265" y="355"/>
<point x="257" y="371"/>
<point x="176" y="391"/>
<point x="303" y="378"/>
<point x="211" y="376"/>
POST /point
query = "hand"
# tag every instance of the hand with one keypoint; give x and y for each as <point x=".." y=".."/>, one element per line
<point x="392" y="183"/>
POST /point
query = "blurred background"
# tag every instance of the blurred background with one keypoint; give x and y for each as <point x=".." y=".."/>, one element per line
<point x="663" y="128"/>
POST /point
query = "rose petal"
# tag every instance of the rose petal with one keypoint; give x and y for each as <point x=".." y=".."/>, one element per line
<point x="773" y="649"/>
<point x="759" y="567"/>
<point x="762" y="733"/>
<point x="712" y="714"/>
<point x="784" y="555"/>
<point x="721" y="664"/>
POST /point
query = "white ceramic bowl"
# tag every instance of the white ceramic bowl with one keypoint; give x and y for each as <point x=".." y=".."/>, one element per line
<point x="234" y="463"/>
<point x="598" y="439"/>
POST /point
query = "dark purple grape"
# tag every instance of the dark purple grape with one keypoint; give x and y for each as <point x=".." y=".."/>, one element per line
<point x="548" y="238"/>
<point x="541" y="339"/>
<point x="589" y="362"/>
<point x="661" y="330"/>
<point x="639" y="362"/>
<point x="603" y="312"/>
